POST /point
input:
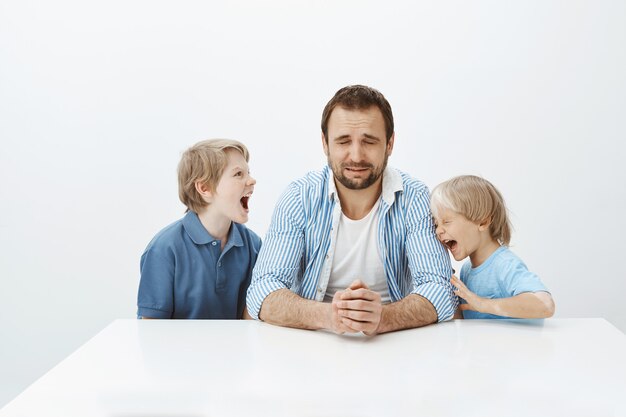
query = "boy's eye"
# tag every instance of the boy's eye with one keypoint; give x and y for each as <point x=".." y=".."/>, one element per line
<point x="238" y="174"/>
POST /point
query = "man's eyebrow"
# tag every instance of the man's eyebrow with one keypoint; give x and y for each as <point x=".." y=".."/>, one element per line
<point x="366" y="135"/>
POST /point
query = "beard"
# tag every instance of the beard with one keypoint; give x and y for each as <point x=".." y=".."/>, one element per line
<point x="357" y="184"/>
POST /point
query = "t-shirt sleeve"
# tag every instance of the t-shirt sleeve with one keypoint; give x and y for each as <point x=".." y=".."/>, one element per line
<point x="516" y="279"/>
<point x="155" y="298"/>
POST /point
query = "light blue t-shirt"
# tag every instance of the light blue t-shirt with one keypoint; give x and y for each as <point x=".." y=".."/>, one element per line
<point x="186" y="275"/>
<point x="502" y="275"/>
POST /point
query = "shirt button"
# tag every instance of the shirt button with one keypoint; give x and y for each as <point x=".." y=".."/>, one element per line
<point x="214" y="243"/>
<point x="219" y="264"/>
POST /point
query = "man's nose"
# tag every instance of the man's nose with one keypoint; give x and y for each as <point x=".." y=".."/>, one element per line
<point x="356" y="152"/>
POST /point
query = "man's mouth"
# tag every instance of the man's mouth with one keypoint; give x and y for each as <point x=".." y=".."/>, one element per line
<point x="244" y="201"/>
<point x="357" y="169"/>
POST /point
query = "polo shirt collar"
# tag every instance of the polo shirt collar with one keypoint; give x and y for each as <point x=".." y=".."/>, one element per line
<point x="200" y="236"/>
<point x="392" y="183"/>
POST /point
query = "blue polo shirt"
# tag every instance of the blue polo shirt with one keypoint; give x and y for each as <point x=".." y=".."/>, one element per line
<point x="185" y="274"/>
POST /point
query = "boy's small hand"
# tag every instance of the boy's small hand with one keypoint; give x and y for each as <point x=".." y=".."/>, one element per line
<point x="473" y="301"/>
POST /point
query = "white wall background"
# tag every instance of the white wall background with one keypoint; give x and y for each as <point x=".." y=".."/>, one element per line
<point x="98" y="100"/>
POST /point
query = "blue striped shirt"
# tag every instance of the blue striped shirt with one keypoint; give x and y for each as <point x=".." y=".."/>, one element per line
<point x="297" y="251"/>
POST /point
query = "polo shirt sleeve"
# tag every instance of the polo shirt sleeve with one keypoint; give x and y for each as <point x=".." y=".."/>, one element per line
<point x="428" y="259"/>
<point x="514" y="278"/>
<point x="155" y="298"/>
<point x="280" y="255"/>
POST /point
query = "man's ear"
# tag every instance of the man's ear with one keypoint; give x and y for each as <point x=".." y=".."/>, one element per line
<point x="390" y="143"/>
<point x="204" y="190"/>
<point x="324" y="144"/>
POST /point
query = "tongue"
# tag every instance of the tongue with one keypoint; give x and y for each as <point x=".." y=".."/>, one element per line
<point x="244" y="202"/>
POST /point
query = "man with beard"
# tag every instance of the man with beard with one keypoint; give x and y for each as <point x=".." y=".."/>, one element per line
<point x="356" y="250"/>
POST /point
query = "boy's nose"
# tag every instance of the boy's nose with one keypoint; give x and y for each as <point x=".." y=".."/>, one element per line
<point x="251" y="180"/>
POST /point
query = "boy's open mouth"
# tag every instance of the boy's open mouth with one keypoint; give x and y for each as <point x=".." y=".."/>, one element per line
<point x="450" y="244"/>
<point x="244" y="201"/>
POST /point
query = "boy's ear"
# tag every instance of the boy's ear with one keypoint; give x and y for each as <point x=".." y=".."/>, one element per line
<point x="484" y="225"/>
<point x="204" y="190"/>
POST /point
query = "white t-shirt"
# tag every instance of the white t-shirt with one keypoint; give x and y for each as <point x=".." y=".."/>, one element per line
<point x="357" y="256"/>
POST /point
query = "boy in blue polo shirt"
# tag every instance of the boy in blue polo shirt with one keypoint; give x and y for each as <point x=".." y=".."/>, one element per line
<point x="199" y="267"/>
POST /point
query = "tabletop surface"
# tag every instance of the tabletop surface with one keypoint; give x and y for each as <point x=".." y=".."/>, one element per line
<point x="554" y="367"/>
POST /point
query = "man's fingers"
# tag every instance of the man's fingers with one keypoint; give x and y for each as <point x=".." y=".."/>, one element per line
<point x="359" y="305"/>
<point x="359" y="326"/>
<point x="360" y="294"/>
<point x="356" y="284"/>
<point x="362" y="316"/>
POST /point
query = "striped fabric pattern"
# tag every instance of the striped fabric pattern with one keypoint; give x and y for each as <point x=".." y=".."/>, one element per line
<point x="298" y="248"/>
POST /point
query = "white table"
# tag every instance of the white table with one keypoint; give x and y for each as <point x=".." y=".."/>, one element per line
<point x="556" y="367"/>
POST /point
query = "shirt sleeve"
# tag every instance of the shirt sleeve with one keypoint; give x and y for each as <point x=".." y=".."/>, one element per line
<point x="516" y="279"/>
<point x="281" y="253"/>
<point x="428" y="259"/>
<point x="155" y="298"/>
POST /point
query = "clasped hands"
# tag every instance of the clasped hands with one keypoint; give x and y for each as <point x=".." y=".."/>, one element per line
<point x="356" y="309"/>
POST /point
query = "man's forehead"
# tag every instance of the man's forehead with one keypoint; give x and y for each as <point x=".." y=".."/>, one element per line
<point x="370" y="117"/>
<point x="371" y="111"/>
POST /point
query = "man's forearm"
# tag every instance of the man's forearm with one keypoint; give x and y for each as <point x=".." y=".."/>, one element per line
<point x="410" y="312"/>
<point x="284" y="308"/>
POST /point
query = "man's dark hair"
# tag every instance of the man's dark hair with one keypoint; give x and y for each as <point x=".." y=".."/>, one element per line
<point x="358" y="97"/>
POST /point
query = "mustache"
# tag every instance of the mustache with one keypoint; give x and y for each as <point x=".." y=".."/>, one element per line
<point x="357" y="165"/>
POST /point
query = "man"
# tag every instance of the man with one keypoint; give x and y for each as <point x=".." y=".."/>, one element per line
<point x="355" y="250"/>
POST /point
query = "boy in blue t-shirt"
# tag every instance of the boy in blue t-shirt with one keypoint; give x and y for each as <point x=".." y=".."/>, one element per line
<point x="199" y="267"/>
<point x="471" y="220"/>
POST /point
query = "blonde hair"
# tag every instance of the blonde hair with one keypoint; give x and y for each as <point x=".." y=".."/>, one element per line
<point x="205" y="162"/>
<point x="476" y="199"/>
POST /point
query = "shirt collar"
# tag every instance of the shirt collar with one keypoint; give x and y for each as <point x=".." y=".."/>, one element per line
<point x="392" y="183"/>
<point x="200" y="236"/>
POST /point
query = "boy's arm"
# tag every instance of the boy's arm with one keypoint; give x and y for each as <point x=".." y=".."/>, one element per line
<point x="155" y="294"/>
<point x="528" y="305"/>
